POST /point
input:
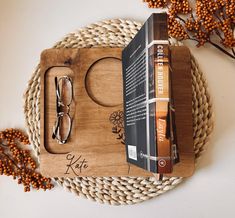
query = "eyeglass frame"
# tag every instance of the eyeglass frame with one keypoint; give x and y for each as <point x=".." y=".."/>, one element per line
<point x="61" y="114"/>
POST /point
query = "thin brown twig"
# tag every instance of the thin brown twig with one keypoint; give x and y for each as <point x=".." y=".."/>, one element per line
<point x="221" y="49"/>
<point x="181" y="19"/>
<point x="218" y="34"/>
<point x="3" y="145"/>
<point x="233" y="51"/>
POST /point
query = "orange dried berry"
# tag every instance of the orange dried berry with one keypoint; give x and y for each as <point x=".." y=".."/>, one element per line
<point x="18" y="163"/>
<point x="176" y="30"/>
<point x="156" y="3"/>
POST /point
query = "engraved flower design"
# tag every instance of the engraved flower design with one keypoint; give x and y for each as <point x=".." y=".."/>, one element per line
<point x="117" y="118"/>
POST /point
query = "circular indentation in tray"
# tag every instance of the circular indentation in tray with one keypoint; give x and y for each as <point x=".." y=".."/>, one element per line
<point x="104" y="82"/>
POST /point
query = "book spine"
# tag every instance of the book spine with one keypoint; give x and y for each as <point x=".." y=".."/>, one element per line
<point x="163" y="139"/>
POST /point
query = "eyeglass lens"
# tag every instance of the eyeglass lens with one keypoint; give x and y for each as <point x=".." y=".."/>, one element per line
<point x="65" y="93"/>
<point x="63" y="127"/>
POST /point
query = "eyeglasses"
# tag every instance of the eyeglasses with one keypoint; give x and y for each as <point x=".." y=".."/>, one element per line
<point x="64" y="97"/>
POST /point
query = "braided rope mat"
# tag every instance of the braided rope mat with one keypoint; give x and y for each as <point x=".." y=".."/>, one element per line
<point x="119" y="190"/>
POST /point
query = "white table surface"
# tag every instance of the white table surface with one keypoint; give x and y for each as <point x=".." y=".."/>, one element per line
<point x="26" y="28"/>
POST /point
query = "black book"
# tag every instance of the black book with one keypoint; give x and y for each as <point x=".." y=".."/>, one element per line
<point x="147" y="100"/>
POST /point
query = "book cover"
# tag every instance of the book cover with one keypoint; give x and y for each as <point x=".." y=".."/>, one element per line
<point x="147" y="107"/>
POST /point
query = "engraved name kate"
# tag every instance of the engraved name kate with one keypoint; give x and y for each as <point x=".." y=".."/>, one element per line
<point x="75" y="164"/>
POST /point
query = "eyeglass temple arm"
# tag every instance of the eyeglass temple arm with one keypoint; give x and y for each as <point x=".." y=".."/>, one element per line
<point x="57" y="108"/>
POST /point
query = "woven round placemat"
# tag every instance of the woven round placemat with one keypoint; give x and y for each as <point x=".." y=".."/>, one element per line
<point x="119" y="190"/>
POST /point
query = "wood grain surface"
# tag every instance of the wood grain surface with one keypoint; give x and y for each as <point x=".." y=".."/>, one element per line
<point x="93" y="149"/>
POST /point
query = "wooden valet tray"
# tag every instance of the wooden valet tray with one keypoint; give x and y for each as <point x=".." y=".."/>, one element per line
<point x="95" y="146"/>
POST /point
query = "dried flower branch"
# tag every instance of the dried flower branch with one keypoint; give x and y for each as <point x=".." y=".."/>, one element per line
<point x="212" y="21"/>
<point x="17" y="162"/>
